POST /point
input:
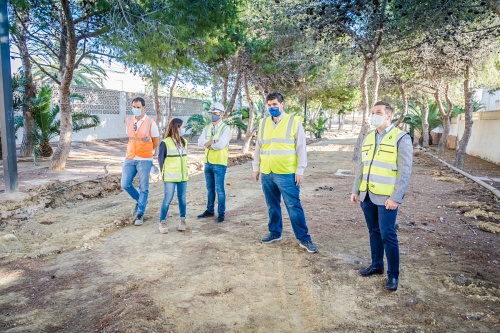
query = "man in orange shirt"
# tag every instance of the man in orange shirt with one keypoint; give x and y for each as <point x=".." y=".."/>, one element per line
<point x="143" y="138"/>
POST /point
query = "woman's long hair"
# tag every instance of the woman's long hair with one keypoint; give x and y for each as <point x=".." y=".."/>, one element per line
<point x="173" y="131"/>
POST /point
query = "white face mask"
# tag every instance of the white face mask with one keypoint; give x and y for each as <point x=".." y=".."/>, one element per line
<point x="136" y="111"/>
<point x="377" y="120"/>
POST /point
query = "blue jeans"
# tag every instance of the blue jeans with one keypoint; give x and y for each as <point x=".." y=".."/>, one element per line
<point x="168" y="195"/>
<point x="275" y="186"/>
<point x="214" y="177"/>
<point x="141" y="168"/>
<point x="381" y="224"/>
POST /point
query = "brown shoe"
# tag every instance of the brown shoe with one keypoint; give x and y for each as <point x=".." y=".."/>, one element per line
<point x="182" y="225"/>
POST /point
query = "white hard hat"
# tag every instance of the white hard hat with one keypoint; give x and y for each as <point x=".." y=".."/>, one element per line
<point x="216" y="107"/>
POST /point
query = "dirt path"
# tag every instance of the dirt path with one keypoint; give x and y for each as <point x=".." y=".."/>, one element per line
<point x="82" y="267"/>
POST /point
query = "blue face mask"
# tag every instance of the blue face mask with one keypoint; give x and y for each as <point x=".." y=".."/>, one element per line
<point x="137" y="111"/>
<point x="183" y="132"/>
<point x="274" y="111"/>
<point x="214" y="117"/>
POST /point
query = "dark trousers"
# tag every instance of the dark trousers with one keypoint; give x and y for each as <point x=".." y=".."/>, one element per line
<point x="381" y="224"/>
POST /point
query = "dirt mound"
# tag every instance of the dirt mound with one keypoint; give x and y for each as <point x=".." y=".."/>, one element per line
<point x="239" y="159"/>
<point x="55" y="194"/>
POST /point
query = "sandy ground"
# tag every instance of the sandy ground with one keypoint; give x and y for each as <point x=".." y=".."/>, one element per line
<point x="80" y="266"/>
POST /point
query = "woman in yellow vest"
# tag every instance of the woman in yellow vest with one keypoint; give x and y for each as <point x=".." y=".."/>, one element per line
<point x="174" y="171"/>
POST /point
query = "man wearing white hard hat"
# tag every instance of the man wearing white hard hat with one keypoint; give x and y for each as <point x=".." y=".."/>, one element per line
<point x="215" y="138"/>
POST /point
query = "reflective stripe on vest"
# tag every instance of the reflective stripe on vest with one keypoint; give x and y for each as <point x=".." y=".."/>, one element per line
<point x="380" y="166"/>
<point x="277" y="145"/>
<point x="139" y="143"/>
<point x="216" y="156"/>
<point x="175" y="167"/>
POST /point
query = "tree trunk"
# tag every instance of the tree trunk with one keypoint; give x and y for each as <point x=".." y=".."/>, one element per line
<point x="214" y="89"/>
<point x="262" y="92"/>
<point x="237" y="84"/>
<point x="468" y="113"/>
<point x="446" y="120"/>
<point x="444" y="136"/>
<point x="67" y="59"/>
<point x="425" y="122"/>
<point x="225" y="84"/>
<point x="446" y="124"/>
<point x="156" y="98"/>
<point x="366" y="110"/>
<point x="402" y="90"/>
<point x="170" y="98"/>
<point x="45" y="149"/>
<point x="376" y="81"/>
<point x="22" y="23"/>
<point x="249" y="133"/>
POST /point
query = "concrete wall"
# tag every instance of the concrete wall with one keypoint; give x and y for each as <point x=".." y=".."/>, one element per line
<point x="491" y="102"/>
<point x="114" y="106"/>
<point x="485" y="139"/>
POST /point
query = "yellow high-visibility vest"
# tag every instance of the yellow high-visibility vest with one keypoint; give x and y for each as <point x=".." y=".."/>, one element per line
<point x="175" y="167"/>
<point x="216" y="156"/>
<point x="380" y="166"/>
<point x="277" y="145"/>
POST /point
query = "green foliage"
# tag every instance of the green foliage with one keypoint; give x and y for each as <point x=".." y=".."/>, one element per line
<point x="235" y="121"/>
<point x="168" y="37"/>
<point x="47" y="123"/>
<point x="415" y="112"/>
<point x="85" y="75"/>
<point x="18" y="82"/>
<point x="196" y="123"/>
<point x="317" y="126"/>
<point x="414" y="117"/>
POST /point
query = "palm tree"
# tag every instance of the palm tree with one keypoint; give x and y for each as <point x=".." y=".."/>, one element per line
<point x="196" y="123"/>
<point x="48" y="125"/>
<point x="86" y="75"/>
<point x="414" y="118"/>
<point x="317" y="126"/>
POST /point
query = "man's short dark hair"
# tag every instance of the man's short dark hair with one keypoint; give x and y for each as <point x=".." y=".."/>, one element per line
<point x="275" y="95"/>
<point x="139" y="99"/>
<point x="388" y="107"/>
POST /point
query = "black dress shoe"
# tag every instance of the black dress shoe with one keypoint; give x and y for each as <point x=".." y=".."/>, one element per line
<point x="205" y="214"/>
<point x="369" y="271"/>
<point x="391" y="284"/>
<point x="220" y="218"/>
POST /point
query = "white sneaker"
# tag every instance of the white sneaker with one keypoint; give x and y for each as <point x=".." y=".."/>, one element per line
<point x="163" y="228"/>
<point x="182" y="225"/>
<point x="139" y="220"/>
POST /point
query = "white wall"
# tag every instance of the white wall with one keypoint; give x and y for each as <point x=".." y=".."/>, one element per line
<point x="114" y="106"/>
<point x="490" y="101"/>
<point x="485" y="139"/>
